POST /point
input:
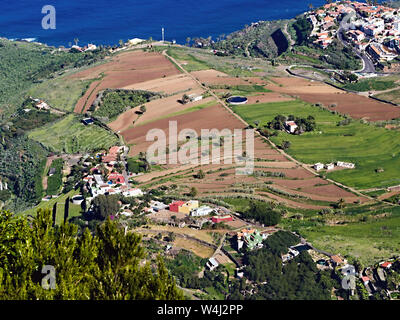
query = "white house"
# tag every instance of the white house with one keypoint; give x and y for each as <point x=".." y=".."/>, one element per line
<point x="158" y="206"/>
<point x="133" y="193"/>
<point x="202" y="211"/>
<point x="212" y="263"/>
<point x="329" y="166"/>
<point x="318" y="166"/>
<point x="291" y="126"/>
<point x="42" y="106"/>
<point x="347" y="165"/>
<point x="195" y="97"/>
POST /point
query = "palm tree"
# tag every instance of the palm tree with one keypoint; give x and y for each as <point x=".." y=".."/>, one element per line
<point x="76" y="40"/>
<point x="121" y="43"/>
<point x="311" y="6"/>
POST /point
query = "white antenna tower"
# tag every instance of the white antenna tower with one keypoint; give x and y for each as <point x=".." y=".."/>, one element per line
<point x="162" y="32"/>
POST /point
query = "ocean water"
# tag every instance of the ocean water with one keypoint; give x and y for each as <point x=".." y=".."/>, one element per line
<point x="108" y="21"/>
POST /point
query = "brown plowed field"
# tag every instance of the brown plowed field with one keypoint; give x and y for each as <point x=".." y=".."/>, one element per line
<point x="124" y="70"/>
<point x="268" y="97"/>
<point x="168" y="85"/>
<point x="212" y="117"/>
<point x="354" y="105"/>
<point x="213" y="77"/>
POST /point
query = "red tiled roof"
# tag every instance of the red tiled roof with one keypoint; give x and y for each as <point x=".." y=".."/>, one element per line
<point x="336" y="259"/>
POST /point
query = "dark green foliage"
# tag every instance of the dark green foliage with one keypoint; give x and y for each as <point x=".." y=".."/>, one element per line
<point x="303" y="124"/>
<point x="115" y="102"/>
<point x="371" y="84"/>
<point x="105" y="205"/>
<point x="22" y="162"/>
<point x="299" y="279"/>
<point x="263" y="213"/>
<point x="54" y="182"/>
<point x="23" y="64"/>
<point x="33" y="119"/>
<point x="5" y="195"/>
<point x="185" y="267"/>
<point x="280" y="241"/>
<point x="104" y="266"/>
<point x="137" y="166"/>
<point x="341" y="57"/>
<point x="303" y="30"/>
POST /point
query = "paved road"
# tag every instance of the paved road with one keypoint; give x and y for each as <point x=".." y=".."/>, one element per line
<point x="368" y="65"/>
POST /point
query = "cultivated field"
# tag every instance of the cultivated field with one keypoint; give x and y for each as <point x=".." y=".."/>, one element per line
<point x="367" y="146"/>
<point x="123" y="70"/>
<point x="69" y="135"/>
<point x="354" y="105"/>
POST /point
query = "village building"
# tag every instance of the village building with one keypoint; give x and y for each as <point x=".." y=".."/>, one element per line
<point x="157" y="206"/>
<point x="188" y="206"/>
<point x="41" y="105"/>
<point x="195" y="97"/>
<point x="174" y="206"/>
<point x="212" y="264"/>
<point x="219" y="219"/>
<point x="291" y="126"/>
<point x="337" y="261"/>
<point x="329" y="166"/>
<point x="201" y="211"/>
<point x="347" y="165"/>
<point x="318" y="166"/>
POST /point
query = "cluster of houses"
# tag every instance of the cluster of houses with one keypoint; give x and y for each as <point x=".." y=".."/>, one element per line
<point x="89" y="47"/>
<point x="330" y="166"/>
<point x="374" y="29"/>
<point x="325" y="22"/>
<point x="104" y="179"/>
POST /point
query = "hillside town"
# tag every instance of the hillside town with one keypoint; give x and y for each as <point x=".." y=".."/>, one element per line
<point x="374" y="29"/>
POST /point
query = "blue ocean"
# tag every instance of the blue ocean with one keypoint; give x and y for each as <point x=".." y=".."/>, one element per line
<point x="108" y="21"/>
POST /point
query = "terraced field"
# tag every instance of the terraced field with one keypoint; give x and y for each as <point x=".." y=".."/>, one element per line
<point x="69" y="135"/>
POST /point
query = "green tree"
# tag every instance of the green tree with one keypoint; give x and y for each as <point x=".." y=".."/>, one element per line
<point x="88" y="267"/>
<point x="193" y="192"/>
<point x="105" y="205"/>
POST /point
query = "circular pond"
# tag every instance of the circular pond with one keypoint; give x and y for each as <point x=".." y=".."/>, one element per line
<point x="237" y="100"/>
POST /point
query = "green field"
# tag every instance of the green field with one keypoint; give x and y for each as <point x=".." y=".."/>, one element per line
<point x="74" y="210"/>
<point x="185" y="111"/>
<point x="392" y="96"/>
<point x="69" y="135"/>
<point x="369" y="241"/>
<point x="367" y="146"/>
<point x="192" y="63"/>
<point x="61" y="93"/>
<point x="377" y="84"/>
